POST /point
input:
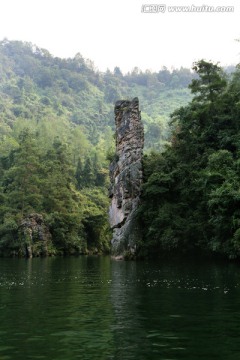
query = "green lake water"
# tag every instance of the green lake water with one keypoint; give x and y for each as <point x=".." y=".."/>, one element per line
<point x="95" y="308"/>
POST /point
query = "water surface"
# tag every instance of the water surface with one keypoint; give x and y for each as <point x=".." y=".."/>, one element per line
<point x="96" y="308"/>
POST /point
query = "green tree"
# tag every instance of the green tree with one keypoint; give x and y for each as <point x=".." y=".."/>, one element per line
<point x="20" y="190"/>
<point x="211" y="81"/>
<point x="191" y="192"/>
<point x="79" y="174"/>
<point x="88" y="172"/>
<point x="22" y="180"/>
<point x="61" y="202"/>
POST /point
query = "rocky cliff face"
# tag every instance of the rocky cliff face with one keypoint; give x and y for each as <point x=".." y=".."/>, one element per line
<point x="35" y="236"/>
<point x="126" y="178"/>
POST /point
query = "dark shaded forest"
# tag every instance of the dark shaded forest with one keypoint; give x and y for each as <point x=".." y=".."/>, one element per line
<point x="191" y="194"/>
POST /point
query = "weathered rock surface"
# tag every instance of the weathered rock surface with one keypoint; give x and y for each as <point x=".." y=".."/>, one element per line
<point x="35" y="236"/>
<point x="126" y="177"/>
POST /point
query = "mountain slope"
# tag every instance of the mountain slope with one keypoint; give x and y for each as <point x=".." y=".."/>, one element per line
<point x="56" y="132"/>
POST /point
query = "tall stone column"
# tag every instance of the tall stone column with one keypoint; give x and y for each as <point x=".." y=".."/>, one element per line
<point x="126" y="178"/>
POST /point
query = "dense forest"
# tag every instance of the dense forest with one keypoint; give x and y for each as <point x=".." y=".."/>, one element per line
<point x="191" y="194"/>
<point x="56" y="139"/>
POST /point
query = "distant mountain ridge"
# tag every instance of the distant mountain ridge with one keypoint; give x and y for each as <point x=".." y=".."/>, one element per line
<point x="35" y="85"/>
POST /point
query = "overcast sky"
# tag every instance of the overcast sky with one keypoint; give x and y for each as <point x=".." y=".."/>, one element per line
<point x="117" y="32"/>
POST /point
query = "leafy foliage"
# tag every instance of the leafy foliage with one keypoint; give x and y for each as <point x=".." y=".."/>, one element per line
<point x="191" y="191"/>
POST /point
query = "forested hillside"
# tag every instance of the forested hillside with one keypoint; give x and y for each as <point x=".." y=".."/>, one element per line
<point x="56" y="133"/>
<point x="38" y="87"/>
<point x="191" y="195"/>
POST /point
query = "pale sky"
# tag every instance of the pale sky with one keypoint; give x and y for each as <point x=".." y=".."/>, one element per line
<point x="117" y="33"/>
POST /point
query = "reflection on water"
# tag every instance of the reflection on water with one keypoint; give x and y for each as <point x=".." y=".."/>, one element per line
<point x="98" y="308"/>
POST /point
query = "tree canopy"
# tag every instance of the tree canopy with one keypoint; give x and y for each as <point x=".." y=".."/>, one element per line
<point x="191" y="191"/>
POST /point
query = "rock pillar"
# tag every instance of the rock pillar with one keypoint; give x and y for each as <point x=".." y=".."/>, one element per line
<point x="126" y="178"/>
